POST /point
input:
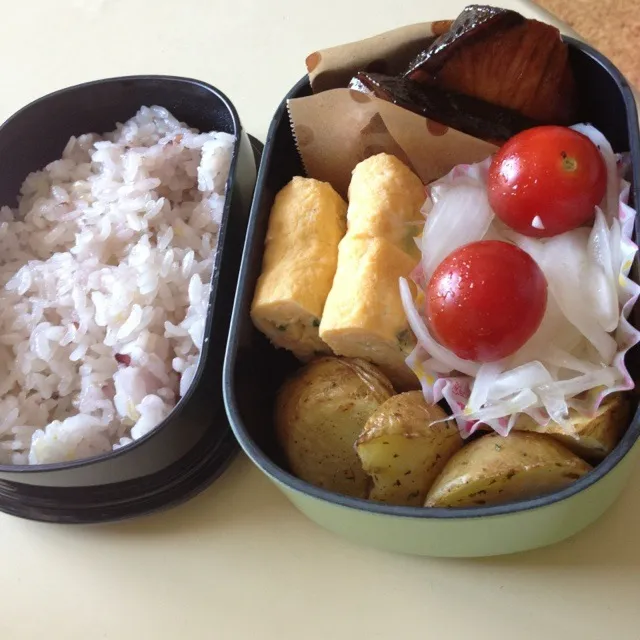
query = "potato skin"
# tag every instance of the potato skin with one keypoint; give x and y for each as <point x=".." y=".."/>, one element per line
<point x="594" y="438"/>
<point x="320" y="412"/>
<point x="497" y="470"/>
<point x="403" y="451"/>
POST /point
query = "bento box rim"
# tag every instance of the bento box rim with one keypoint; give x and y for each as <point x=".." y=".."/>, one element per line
<point x="262" y="461"/>
<point x="237" y="131"/>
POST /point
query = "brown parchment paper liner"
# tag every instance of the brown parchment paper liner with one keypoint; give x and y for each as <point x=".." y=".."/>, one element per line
<point x="336" y="128"/>
<point x="389" y="52"/>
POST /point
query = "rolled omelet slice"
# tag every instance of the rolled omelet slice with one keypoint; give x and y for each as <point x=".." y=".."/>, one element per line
<point x="306" y="223"/>
<point x="363" y="315"/>
<point x="385" y="198"/>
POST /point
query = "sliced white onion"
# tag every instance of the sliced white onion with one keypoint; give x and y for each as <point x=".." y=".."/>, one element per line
<point x="564" y="360"/>
<point x="605" y="377"/>
<point x="436" y="366"/>
<point x="485" y="379"/>
<point x="423" y="336"/>
<point x="553" y="370"/>
<point x="586" y="351"/>
<point x="554" y="330"/>
<point x="460" y="216"/>
<point x="610" y="201"/>
<point x="437" y="191"/>
<point x="601" y="283"/>
<point x="528" y="376"/>
<point x="534" y="376"/>
<point x="427" y="205"/>
<point x="493" y="234"/>
<point x="535" y="248"/>
<point x="514" y="404"/>
<point x="564" y="263"/>
<point x="615" y="242"/>
<point x="555" y="404"/>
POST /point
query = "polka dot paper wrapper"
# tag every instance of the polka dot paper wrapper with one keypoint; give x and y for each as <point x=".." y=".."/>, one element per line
<point x="336" y="128"/>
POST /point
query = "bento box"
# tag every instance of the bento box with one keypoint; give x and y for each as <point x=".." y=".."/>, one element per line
<point x="192" y="443"/>
<point x="254" y="371"/>
<point x="143" y="187"/>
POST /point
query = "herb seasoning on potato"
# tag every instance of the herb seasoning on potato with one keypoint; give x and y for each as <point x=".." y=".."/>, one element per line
<point x="496" y="470"/>
<point x="404" y="446"/>
<point x="320" y="413"/>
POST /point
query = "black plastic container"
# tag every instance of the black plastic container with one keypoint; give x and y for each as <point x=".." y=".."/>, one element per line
<point x="194" y="444"/>
<point x="254" y="370"/>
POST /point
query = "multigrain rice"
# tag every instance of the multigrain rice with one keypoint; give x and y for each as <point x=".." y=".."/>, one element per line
<point x="105" y="271"/>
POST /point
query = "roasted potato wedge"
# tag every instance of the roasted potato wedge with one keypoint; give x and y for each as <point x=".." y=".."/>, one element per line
<point x="496" y="470"/>
<point x="319" y="415"/>
<point x="593" y="438"/>
<point x="403" y="451"/>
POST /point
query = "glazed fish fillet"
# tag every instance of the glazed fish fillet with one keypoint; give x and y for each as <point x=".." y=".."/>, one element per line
<point x="307" y="222"/>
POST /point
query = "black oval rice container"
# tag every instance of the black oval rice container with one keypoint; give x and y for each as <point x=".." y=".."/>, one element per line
<point x="254" y="370"/>
<point x="194" y="443"/>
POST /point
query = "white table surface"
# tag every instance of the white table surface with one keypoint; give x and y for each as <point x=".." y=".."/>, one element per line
<point x="238" y="561"/>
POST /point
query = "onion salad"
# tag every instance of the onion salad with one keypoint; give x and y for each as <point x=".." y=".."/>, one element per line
<point x="576" y="356"/>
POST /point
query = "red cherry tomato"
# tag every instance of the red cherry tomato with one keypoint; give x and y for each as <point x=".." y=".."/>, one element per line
<point x="546" y="180"/>
<point x="485" y="300"/>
